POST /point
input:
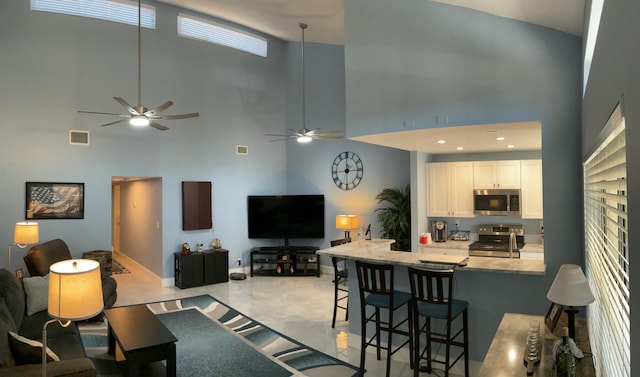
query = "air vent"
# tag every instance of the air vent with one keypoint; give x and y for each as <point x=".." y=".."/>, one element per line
<point x="78" y="137"/>
<point x="242" y="149"/>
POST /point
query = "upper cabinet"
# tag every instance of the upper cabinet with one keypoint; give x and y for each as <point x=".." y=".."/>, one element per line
<point x="531" y="193"/>
<point x="450" y="189"/>
<point x="496" y="174"/>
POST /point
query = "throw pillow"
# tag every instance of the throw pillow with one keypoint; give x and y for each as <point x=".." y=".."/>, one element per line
<point x="6" y="324"/>
<point x="36" y="289"/>
<point x="27" y="351"/>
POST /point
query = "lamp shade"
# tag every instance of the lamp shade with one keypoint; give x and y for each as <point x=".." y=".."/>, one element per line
<point x="346" y="222"/>
<point x="570" y="287"/>
<point x="26" y="233"/>
<point x="75" y="289"/>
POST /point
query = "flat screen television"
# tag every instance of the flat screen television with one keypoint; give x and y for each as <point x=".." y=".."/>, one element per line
<point x="285" y="216"/>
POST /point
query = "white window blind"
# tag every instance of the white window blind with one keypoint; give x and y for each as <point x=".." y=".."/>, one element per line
<point x="192" y="27"/>
<point x="125" y="12"/>
<point x="607" y="258"/>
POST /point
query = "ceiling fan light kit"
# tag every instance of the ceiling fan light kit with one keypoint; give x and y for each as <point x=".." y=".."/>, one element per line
<point x="305" y="135"/>
<point x="139" y="115"/>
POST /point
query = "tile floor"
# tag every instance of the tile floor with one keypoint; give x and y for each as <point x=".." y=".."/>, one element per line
<point x="300" y="307"/>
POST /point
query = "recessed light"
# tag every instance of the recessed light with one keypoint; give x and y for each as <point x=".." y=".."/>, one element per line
<point x="441" y="141"/>
<point x="500" y="138"/>
<point x="511" y="146"/>
<point x="459" y="148"/>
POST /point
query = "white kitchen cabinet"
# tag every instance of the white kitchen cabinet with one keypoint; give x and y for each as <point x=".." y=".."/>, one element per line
<point x="496" y="174"/>
<point x="450" y="189"/>
<point x="531" y="192"/>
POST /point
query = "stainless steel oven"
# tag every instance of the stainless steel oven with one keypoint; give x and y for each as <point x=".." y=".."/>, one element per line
<point x="499" y="202"/>
<point x="496" y="240"/>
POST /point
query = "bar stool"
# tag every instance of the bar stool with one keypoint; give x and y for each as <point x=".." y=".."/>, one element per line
<point x="340" y="278"/>
<point x="375" y="282"/>
<point x="341" y="292"/>
<point x="432" y="292"/>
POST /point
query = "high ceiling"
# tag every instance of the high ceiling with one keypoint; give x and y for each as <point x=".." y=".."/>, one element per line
<point x="325" y="18"/>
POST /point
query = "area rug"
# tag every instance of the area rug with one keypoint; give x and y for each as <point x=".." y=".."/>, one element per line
<point x="118" y="268"/>
<point x="217" y="340"/>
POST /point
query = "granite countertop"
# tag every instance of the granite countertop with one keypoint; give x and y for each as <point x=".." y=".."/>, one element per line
<point x="533" y="248"/>
<point x="372" y="251"/>
<point x="448" y="245"/>
<point x="505" y="357"/>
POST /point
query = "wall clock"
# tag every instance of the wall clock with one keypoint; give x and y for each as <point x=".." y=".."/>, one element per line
<point x="347" y="170"/>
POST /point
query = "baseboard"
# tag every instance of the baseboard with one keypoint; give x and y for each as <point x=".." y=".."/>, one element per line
<point x="137" y="268"/>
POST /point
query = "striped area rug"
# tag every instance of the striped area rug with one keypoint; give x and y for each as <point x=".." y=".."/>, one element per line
<point x="300" y="359"/>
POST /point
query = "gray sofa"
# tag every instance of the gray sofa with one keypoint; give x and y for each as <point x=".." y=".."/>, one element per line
<point x="65" y="342"/>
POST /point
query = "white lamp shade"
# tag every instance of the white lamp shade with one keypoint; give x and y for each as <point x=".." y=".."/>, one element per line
<point x="75" y="289"/>
<point x="346" y="222"/>
<point x="570" y="287"/>
<point x="26" y="233"/>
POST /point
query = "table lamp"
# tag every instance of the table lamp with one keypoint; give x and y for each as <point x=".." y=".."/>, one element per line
<point x="347" y="222"/>
<point x="75" y="293"/>
<point x="570" y="288"/>
<point x="25" y="233"/>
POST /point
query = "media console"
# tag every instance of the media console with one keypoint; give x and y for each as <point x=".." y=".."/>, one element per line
<point x="285" y="261"/>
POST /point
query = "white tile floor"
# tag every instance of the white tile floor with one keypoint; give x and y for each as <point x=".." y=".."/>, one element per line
<point x="300" y="307"/>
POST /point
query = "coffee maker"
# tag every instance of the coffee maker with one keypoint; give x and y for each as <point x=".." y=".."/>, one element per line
<point x="439" y="231"/>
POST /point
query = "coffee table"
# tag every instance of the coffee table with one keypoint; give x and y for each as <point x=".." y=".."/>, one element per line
<point x="141" y="337"/>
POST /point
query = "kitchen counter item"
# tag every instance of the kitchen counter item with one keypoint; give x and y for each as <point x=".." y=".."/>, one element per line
<point x="459" y="235"/>
<point x="439" y="231"/>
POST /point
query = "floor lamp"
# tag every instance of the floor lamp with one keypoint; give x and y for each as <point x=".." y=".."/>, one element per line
<point x="75" y="293"/>
<point x="25" y="233"/>
<point x="347" y="222"/>
<point x="570" y="289"/>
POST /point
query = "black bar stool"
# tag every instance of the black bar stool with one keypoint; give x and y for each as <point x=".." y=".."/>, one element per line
<point x="432" y="292"/>
<point x="375" y="282"/>
<point x="340" y="279"/>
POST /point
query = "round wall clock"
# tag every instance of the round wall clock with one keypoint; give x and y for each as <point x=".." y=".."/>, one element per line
<point x="347" y="170"/>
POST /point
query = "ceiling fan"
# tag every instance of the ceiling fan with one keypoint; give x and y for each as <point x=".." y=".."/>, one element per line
<point x="305" y="135"/>
<point x="140" y="115"/>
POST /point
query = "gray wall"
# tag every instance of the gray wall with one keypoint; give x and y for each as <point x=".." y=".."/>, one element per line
<point x="614" y="73"/>
<point x="53" y="65"/>
<point x="424" y="59"/>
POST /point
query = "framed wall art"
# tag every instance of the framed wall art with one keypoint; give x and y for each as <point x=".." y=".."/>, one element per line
<point x="553" y="315"/>
<point x="54" y="200"/>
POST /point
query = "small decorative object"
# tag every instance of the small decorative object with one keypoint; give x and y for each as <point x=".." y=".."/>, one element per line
<point x="49" y="200"/>
<point x="186" y="249"/>
<point x="200" y="247"/>
<point x="553" y="315"/>
<point x="347" y="170"/>
<point x="217" y="244"/>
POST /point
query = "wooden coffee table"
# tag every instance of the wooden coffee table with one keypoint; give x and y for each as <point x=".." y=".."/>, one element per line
<point x="141" y="337"/>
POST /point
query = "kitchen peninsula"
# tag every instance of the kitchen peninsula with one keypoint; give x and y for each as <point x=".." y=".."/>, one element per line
<point x="501" y="276"/>
<point x="378" y="251"/>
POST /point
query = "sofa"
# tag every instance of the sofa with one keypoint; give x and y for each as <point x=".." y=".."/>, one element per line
<point x="40" y="257"/>
<point x="18" y="358"/>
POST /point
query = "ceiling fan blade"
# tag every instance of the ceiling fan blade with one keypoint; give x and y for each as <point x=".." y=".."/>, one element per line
<point x="158" y="126"/>
<point x="326" y="137"/>
<point x="177" y="116"/>
<point x="158" y="109"/>
<point x="101" y="113"/>
<point x="129" y="108"/>
<point x="278" y="135"/>
<point x="117" y="121"/>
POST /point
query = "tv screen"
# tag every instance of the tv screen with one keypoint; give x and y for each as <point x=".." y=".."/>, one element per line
<point x="286" y="216"/>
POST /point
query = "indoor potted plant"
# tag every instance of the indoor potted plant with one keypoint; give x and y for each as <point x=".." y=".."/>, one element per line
<point x="395" y="216"/>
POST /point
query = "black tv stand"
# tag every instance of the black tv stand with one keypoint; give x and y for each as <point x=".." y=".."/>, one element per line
<point x="285" y="261"/>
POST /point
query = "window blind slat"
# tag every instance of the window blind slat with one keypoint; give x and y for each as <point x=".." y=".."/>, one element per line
<point x="125" y="12"/>
<point x="607" y="260"/>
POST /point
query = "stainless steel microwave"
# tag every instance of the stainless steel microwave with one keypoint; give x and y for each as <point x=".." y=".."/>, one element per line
<point x="499" y="202"/>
